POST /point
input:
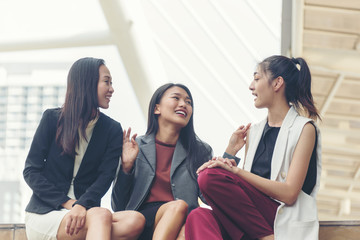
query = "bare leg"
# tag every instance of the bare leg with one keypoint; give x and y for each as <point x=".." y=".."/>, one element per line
<point x="127" y="225"/>
<point x="181" y="235"/>
<point x="270" y="237"/>
<point x="97" y="226"/>
<point x="169" y="219"/>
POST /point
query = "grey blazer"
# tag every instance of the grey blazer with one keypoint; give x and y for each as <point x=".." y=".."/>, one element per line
<point x="131" y="190"/>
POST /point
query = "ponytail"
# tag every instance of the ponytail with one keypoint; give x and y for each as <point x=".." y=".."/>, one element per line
<point x="297" y="77"/>
<point x="304" y="97"/>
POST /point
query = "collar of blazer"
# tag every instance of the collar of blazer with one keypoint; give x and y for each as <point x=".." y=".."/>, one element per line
<point x="148" y="150"/>
<point x="280" y="145"/>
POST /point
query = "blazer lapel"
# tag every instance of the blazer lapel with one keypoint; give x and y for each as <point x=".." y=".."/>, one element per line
<point x="148" y="150"/>
<point x="178" y="158"/>
<point x="281" y="143"/>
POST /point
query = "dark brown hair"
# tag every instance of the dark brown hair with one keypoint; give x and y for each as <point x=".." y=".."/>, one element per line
<point x="81" y="103"/>
<point x="197" y="153"/>
<point x="297" y="81"/>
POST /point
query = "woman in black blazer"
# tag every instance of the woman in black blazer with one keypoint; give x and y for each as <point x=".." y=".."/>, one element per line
<point x="72" y="162"/>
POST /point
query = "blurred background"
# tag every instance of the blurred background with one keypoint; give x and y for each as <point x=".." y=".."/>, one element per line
<point x="212" y="46"/>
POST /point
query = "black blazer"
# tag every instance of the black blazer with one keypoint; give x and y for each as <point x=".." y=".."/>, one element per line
<point x="49" y="173"/>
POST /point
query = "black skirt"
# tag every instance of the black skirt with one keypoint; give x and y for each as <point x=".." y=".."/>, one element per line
<point x="149" y="211"/>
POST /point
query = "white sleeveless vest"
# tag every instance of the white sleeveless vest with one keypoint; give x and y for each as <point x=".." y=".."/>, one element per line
<point x="300" y="220"/>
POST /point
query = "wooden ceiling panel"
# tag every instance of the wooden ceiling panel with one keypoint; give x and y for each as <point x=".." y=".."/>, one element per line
<point x="330" y="40"/>
<point x="353" y="140"/>
<point x="345" y="106"/>
<point x="338" y="173"/>
<point x="341" y="159"/>
<point x="349" y="89"/>
<point x="319" y="100"/>
<point x="355" y="124"/>
<point x="332" y="20"/>
<point x="327" y="204"/>
<point x="336" y="188"/>
<point x="337" y="167"/>
<point x="356" y="189"/>
<point x="341" y="122"/>
<point x="331" y="123"/>
<point x="343" y="4"/>
<point x="345" y="151"/>
<point x="321" y="85"/>
<point x="329" y="210"/>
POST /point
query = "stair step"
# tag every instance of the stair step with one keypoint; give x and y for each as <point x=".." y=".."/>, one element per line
<point x="329" y="230"/>
<point x="339" y="230"/>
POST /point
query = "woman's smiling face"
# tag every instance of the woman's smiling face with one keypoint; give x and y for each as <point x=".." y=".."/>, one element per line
<point x="175" y="107"/>
<point x="105" y="89"/>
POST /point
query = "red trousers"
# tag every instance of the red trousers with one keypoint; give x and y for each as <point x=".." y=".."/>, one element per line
<point x="239" y="211"/>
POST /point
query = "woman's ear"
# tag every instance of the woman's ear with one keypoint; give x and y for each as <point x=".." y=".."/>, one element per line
<point x="157" y="109"/>
<point x="278" y="83"/>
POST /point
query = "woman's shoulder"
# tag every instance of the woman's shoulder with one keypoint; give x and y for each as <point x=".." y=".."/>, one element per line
<point x="144" y="139"/>
<point x="109" y="121"/>
<point x="52" y="113"/>
<point x="204" y="144"/>
<point x="300" y="122"/>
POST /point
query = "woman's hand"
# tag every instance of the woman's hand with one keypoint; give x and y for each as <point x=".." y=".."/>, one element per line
<point x="75" y="220"/>
<point x="225" y="163"/>
<point x="68" y="204"/>
<point x="230" y="163"/>
<point x="237" y="140"/>
<point x="129" y="152"/>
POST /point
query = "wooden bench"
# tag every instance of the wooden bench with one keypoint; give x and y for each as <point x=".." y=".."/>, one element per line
<point x="12" y="232"/>
<point x="339" y="230"/>
<point x="329" y="230"/>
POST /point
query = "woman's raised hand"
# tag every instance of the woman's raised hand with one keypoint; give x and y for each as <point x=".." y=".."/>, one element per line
<point x="129" y="152"/>
<point x="237" y="140"/>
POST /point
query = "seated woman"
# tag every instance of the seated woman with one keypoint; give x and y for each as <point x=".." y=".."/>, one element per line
<point x="157" y="175"/>
<point x="72" y="162"/>
<point x="273" y="194"/>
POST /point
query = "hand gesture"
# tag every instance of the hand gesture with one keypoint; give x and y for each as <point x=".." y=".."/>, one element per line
<point x="237" y="140"/>
<point x="75" y="220"/>
<point x="129" y="152"/>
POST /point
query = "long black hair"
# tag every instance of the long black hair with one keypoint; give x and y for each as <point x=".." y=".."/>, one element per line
<point x="81" y="103"/>
<point x="297" y="77"/>
<point x="197" y="152"/>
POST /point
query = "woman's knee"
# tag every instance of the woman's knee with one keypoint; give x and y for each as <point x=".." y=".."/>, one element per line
<point x="127" y="224"/>
<point x="135" y="221"/>
<point x="208" y="179"/>
<point x="178" y="207"/>
<point x="198" y="214"/>
<point x="193" y="216"/>
<point x="99" y="215"/>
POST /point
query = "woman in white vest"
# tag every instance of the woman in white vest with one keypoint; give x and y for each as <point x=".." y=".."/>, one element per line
<point x="273" y="194"/>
